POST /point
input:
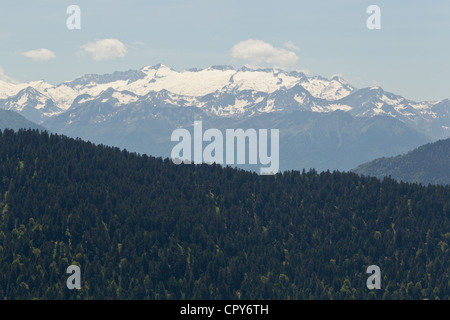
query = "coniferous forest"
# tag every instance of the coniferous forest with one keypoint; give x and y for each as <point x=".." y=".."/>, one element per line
<point x="429" y="163"/>
<point x="144" y="228"/>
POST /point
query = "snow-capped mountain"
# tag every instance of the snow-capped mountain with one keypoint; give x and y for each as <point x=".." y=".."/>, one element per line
<point x="194" y="85"/>
<point x="138" y="109"/>
<point x="32" y="103"/>
<point x="225" y="92"/>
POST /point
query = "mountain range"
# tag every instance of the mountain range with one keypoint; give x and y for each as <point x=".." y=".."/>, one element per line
<point x="324" y="123"/>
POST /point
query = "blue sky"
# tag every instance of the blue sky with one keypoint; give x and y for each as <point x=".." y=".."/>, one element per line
<point x="409" y="55"/>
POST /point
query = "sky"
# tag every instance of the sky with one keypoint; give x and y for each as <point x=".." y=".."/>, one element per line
<point x="409" y="55"/>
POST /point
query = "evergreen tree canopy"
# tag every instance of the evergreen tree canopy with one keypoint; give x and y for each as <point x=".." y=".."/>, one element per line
<point x="144" y="228"/>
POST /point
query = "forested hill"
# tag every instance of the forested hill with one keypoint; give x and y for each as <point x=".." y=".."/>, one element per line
<point x="144" y="228"/>
<point x="12" y="120"/>
<point x="429" y="163"/>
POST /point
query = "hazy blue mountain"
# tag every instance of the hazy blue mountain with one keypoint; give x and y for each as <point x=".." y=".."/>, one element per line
<point x="324" y="123"/>
<point x="335" y="140"/>
<point x="429" y="163"/>
<point x="13" y="120"/>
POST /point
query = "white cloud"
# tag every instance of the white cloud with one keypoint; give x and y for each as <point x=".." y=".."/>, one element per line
<point x="42" y="54"/>
<point x="258" y="52"/>
<point x="6" y="78"/>
<point x="291" y="45"/>
<point x="105" y="49"/>
<point x="139" y="43"/>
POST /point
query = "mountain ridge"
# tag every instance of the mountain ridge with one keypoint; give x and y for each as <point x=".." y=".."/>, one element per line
<point x="254" y="90"/>
<point x="429" y="163"/>
<point x="13" y="120"/>
<point x="139" y="109"/>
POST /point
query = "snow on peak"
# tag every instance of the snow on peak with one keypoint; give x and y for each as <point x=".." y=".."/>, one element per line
<point x="190" y="85"/>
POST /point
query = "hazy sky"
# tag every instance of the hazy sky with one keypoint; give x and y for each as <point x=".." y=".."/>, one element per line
<point x="409" y="55"/>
